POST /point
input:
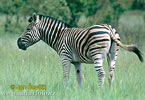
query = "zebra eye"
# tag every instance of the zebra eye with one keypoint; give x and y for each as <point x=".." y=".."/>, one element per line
<point x="28" y="29"/>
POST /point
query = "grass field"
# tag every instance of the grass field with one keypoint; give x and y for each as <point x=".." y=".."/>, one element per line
<point x="41" y="65"/>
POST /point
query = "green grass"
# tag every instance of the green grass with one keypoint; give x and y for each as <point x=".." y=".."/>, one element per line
<point x="41" y="65"/>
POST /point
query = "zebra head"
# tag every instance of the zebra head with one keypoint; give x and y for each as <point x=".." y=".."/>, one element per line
<point x="31" y="35"/>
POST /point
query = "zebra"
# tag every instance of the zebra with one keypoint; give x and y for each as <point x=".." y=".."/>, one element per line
<point x="77" y="45"/>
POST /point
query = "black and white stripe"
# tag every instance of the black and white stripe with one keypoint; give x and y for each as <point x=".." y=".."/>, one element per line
<point x="77" y="45"/>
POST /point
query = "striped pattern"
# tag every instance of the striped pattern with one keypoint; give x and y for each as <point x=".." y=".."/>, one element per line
<point x="77" y="45"/>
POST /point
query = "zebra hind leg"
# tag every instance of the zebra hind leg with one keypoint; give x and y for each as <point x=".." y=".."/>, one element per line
<point x="111" y="58"/>
<point x="78" y="73"/>
<point x="98" y="62"/>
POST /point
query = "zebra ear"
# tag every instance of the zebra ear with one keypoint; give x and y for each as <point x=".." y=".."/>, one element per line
<point x="32" y="18"/>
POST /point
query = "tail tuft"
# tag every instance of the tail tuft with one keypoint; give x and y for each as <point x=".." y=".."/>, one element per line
<point x="137" y="52"/>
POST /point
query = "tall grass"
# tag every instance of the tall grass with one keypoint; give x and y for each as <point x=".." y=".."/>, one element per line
<point x="41" y="65"/>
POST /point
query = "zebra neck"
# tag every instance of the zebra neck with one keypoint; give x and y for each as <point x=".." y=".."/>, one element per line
<point x="53" y="37"/>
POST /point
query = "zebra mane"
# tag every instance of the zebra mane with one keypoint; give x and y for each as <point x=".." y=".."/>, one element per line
<point x="40" y="16"/>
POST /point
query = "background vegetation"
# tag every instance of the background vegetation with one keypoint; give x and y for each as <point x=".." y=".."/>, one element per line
<point x="36" y="65"/>
<point x="127" y="16"/>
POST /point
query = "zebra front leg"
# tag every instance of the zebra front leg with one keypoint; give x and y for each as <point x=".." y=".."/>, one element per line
<point x="78" y="73"/>
<point x="66" y="70"/>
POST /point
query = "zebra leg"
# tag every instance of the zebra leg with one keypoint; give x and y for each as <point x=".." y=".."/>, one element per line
<point x="98" y="61"/>
<point x="111" y="58"/>
<point x="78" y="73"/>
<point x="66" y="70"/>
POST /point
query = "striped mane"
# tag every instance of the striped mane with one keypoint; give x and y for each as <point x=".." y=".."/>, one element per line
<point x="40" y="17"/>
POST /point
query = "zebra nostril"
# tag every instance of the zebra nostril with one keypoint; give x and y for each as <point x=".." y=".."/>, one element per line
<point x="19" y="39"/>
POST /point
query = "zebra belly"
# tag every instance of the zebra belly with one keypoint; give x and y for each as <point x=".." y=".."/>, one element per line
<point x="78" y="58"/>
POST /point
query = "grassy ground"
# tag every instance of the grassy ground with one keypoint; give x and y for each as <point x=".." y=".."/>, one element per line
<point x="41" y="65"/>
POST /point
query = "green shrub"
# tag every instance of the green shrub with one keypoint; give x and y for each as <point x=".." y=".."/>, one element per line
<point x="132" y="27"/>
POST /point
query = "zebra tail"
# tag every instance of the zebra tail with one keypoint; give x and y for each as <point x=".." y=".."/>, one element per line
<point x="130" y="48"/>
<point x="134" y="49"/>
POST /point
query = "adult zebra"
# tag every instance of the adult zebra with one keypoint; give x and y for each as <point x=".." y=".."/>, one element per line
<point x="76" y="45"/>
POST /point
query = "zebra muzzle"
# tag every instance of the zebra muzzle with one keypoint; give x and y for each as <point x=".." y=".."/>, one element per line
<point x="20" y="44"/>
